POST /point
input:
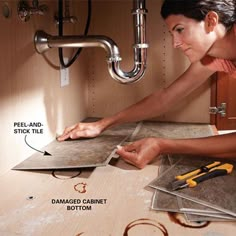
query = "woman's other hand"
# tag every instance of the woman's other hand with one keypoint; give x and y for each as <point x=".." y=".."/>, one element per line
<point x="141" y="152"/>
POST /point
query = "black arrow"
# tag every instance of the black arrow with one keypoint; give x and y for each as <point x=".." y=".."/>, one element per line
<point x="45" y="153"/>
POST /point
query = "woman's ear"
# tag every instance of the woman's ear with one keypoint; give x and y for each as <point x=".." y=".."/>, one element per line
<point x="211" y="20"/>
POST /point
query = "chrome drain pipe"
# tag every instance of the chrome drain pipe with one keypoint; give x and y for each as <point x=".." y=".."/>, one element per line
<point x="140" y="48"/>
<point x="44" y="41"/>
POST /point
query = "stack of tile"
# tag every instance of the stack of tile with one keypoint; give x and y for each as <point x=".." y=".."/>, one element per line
<point x="211" y="200"/>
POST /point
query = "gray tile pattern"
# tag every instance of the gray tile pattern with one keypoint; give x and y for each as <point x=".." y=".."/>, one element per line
<point x="218" y="193"/>
<point x="79" y="153"/>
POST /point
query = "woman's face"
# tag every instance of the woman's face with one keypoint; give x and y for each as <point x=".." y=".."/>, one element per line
<point x="190" y="36"/>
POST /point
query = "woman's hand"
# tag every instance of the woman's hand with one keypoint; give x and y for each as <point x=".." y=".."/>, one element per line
<point x="81" y="130"/>
<point x="141" y="152"/>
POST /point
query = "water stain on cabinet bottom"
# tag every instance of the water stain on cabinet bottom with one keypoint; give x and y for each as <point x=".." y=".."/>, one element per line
<point x="146" y="222"/>
<point x="174" y="218"/>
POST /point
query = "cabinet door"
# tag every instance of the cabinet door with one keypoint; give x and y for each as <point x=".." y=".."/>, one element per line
<point x="224" y="92"/>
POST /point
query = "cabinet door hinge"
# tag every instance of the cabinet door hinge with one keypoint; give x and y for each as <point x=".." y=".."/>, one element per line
<point x="218" y="110"/>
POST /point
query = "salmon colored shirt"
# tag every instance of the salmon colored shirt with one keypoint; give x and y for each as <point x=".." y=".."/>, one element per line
<point x="218" y="64"/>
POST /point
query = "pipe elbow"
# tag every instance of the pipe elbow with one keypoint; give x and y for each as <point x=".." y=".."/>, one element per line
<point x="132" y="76"/>
<point x="113" y="53"/>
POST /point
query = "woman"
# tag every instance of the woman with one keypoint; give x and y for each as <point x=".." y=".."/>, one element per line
<point x="205" y="31"/>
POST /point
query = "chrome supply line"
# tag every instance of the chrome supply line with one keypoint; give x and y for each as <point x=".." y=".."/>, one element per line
<point x="44" y="41"/>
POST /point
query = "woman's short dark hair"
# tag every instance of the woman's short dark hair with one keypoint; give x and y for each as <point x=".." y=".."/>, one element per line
<point x="198" y="9"/>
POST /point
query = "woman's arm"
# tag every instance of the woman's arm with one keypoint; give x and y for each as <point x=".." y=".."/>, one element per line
<point x="215" y="146"/>
<point x="145" y="150"/>
<point x="163" y="100"/>
<point x="151" y="106"/>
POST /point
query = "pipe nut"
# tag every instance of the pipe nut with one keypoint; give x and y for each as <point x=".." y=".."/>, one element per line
<point x="114" y="58"/>
<point x="141" y="45"/>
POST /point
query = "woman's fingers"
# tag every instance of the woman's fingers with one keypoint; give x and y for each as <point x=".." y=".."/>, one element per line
<point x="140" y="152"/>
<point x="67" y="133"/>
<point x="80" y="130"/>
<point x="130" y="154"/>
